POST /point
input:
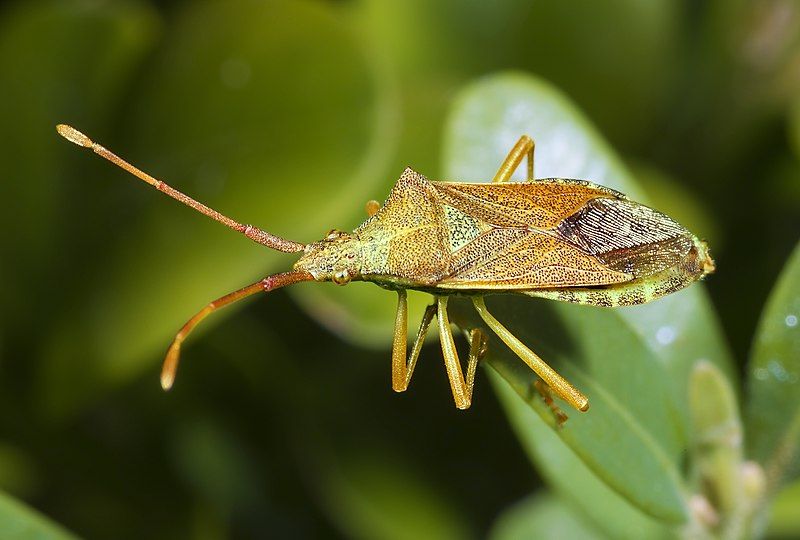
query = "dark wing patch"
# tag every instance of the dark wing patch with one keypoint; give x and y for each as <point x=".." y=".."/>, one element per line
<point x="627" y="236"/>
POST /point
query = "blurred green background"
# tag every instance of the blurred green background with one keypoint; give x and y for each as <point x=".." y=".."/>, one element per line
<point x="291" y="115"/>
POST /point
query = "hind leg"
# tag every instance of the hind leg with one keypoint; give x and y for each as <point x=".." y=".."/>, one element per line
<point x="523" y="148"/>
<point x="558" y="384"/>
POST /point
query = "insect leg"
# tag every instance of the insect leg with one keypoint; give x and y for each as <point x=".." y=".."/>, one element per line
<point x="462" y="392"/>
<point x="477" y="349"/>
<point x="402" y="368"/>
<point x="547" y="396"/>
<point x="399" y="344"/>
<point x="560" y="386"/>
<point x="269" y="283"/>
<point x="523" y="148"/>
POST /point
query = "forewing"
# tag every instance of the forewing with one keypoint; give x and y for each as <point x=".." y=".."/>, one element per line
<point x="541" y="205"/>
<point x="504" y="258"/>
<point x="556" y="234"/>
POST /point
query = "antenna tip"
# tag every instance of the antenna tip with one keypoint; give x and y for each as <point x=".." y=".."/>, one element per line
<point x="167" y="379"/>
<point x="170" y="366"/>
<point x="73" y="135"/>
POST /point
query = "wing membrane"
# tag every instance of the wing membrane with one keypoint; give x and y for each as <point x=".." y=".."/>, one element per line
<point x="627" y="236"/>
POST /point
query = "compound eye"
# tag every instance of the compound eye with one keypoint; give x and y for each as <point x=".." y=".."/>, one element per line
<point x="341" y="277"/>
<point x="333" y="234"/>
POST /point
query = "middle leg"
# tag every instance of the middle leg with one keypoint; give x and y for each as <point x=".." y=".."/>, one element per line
<point x="402" y="367"/>
<point x="462" y="389"/>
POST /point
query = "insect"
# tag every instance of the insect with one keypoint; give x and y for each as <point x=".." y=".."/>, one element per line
<point x="561" y="239"/>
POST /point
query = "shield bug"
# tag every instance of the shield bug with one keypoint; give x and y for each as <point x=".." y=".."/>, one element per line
<point x="568" y="240"/>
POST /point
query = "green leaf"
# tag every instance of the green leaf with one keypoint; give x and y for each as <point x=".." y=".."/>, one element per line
<point x="628" y="437"/>
<point x="571" y="479"/>
<point x="541" y="516"/>
<point x="633" y="363"/>
<point x="773" y="411"/>
<point x="231" y="113"/>
<point x="18" y="522"/>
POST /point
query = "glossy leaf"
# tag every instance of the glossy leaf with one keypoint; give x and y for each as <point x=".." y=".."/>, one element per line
<point x="248" y="134"/>
<point x="18" y="522"/>
<point x="773" y="412"/>
<point x="570" y="478"/>
<point x="634" y="362"/>
<point x="541" y="516"/>
<point x="627" y="440"/>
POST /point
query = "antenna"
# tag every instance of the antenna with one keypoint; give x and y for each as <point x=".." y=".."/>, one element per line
<point x="254" y="233"/>
<point x="269" y="283"/>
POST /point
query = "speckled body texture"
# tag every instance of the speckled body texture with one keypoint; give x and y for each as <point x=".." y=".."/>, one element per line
<point x="563" y="239"/>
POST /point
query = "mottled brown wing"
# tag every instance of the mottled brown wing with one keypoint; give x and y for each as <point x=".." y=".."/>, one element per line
<point x="504" y="258"/>
<point x="554" y="234"/>
<point x="542" y="204"/>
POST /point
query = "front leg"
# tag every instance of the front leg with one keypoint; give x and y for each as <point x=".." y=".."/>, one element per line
<point x="402" y="368"/>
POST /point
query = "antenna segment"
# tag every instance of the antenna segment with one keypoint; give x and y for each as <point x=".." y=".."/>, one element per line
<point x="254" y="233"/>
